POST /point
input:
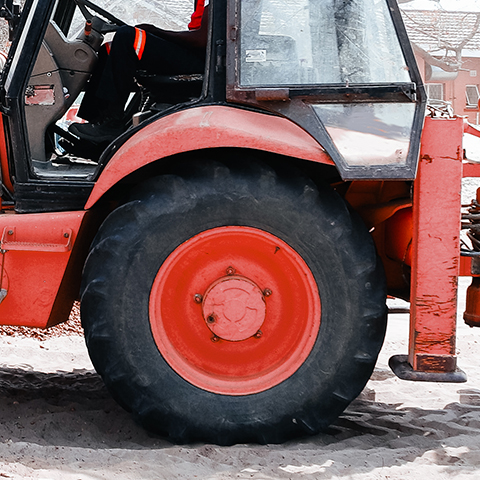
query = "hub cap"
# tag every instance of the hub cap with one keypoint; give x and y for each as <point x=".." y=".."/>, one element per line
<point x="234" y="308"/>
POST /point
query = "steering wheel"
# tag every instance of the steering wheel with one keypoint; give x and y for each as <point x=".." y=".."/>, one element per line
<point x="110" y="26"/>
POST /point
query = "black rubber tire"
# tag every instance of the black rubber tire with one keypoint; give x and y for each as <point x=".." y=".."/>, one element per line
<point x="137" y="237"/>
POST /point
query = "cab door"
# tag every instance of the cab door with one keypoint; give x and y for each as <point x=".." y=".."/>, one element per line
<point x="342" y="69"/>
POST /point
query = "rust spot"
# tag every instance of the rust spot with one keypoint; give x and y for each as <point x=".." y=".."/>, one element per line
<point x="427" y="158"/>
<point x="436" y="363"/>
<point x="428" y="341"/>
<point x="276" y="250"/>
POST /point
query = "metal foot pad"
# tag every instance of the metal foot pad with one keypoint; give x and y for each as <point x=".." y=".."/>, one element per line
<point x="402" y="369"/>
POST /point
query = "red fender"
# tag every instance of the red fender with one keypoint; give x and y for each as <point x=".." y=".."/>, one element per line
<point x="208" y="127"/>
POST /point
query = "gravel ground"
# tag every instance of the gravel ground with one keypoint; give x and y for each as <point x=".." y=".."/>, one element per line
<point x="72" y="327"/>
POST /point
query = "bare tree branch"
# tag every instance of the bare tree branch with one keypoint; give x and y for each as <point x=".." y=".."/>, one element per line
<point x="429" y="58"/>
<point x="447" y="63"/>
<point x="472" y="33"/>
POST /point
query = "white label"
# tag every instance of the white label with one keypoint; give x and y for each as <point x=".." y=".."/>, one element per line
<point x="256" y="56"/>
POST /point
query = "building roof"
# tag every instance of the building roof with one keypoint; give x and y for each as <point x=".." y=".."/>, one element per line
<point x="433" y="30"/>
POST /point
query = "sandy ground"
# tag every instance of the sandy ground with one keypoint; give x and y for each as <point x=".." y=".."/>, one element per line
<point x="58" y="422"/>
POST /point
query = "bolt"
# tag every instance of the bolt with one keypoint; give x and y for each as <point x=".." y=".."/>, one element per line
<point x="215" y="339"/>
<point x="66" y="235"/>
<point x="211" y="319"/>
<point x="197" y="298"/>
<point x="10" y="232"/>
<point x="258" y="334"/>
<point x="231" y="271"/>
<point x="267" y="292"/>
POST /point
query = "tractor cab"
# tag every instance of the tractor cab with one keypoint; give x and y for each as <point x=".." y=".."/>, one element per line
<point x="341" y="70"/>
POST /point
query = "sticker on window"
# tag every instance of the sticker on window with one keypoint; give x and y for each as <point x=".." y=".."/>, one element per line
<point x="256" y="56"/>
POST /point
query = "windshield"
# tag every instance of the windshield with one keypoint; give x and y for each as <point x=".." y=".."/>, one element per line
<point x="167" y="14"/>
<point x="286" y="42"/>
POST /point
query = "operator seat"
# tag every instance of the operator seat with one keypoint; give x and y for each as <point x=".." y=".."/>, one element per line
<point x="61" y="70"/>
<point x="171" y="88"/>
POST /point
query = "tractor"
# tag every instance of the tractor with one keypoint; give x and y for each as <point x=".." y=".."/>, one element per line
<point x="232" y="251"/>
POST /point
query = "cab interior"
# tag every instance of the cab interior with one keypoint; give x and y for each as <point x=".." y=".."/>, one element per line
<point x="67" y="56"/>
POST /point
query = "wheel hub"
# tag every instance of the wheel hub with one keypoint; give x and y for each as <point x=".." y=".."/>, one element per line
<point x="234" y="308"/>
<point x="211" y="324"/>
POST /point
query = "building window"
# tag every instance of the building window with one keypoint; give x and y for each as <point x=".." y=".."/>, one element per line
<point x="472" y="96"/>
<point x="435" y="93"/>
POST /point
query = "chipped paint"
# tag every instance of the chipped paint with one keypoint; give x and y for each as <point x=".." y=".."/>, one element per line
<point x="435" y="248"/>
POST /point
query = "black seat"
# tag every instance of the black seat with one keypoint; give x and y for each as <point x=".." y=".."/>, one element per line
<point x="170" y="88"/>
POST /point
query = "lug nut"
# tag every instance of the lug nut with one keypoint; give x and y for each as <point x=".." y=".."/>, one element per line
<point x="267" y="292"/>
<point x="231" y="271"/>
<point x="215" y="339"/>
<point x="197" y="298"/>
<point x="258" y="334"/>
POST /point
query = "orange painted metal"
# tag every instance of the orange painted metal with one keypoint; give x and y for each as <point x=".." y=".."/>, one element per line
<point x="471" y="129"/>
<point x="203" y="128"/>
<point x="398" y="236"/>
<point x="37" y="256"/>
<point x="374" y="215"/>
<point x="471" y="169"/>
<point x="465" y="267"/>
<point x="4" y="158"/>
<point x="386" y="209"/>
<point x="435" y="259"/>
<point x="472" y="308"/>
<point x="235" y="310"/>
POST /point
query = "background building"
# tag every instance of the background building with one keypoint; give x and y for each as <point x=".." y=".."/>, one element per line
<point x="447" y="47"/>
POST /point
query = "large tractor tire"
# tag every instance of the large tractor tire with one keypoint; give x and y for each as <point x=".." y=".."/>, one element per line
<point x="234" y="304"/>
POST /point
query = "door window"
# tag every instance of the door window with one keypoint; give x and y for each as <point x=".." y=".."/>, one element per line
<point x="292" y="42"/>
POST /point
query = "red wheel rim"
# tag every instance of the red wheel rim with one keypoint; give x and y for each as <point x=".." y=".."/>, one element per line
<point x="235" y="310"/>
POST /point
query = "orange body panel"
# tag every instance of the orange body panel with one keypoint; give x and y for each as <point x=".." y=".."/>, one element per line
<point x="37" y="251"/>
<point x="435" y="247"/>
<point x="207" y="127"/>
<point x="398" y="236"/>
